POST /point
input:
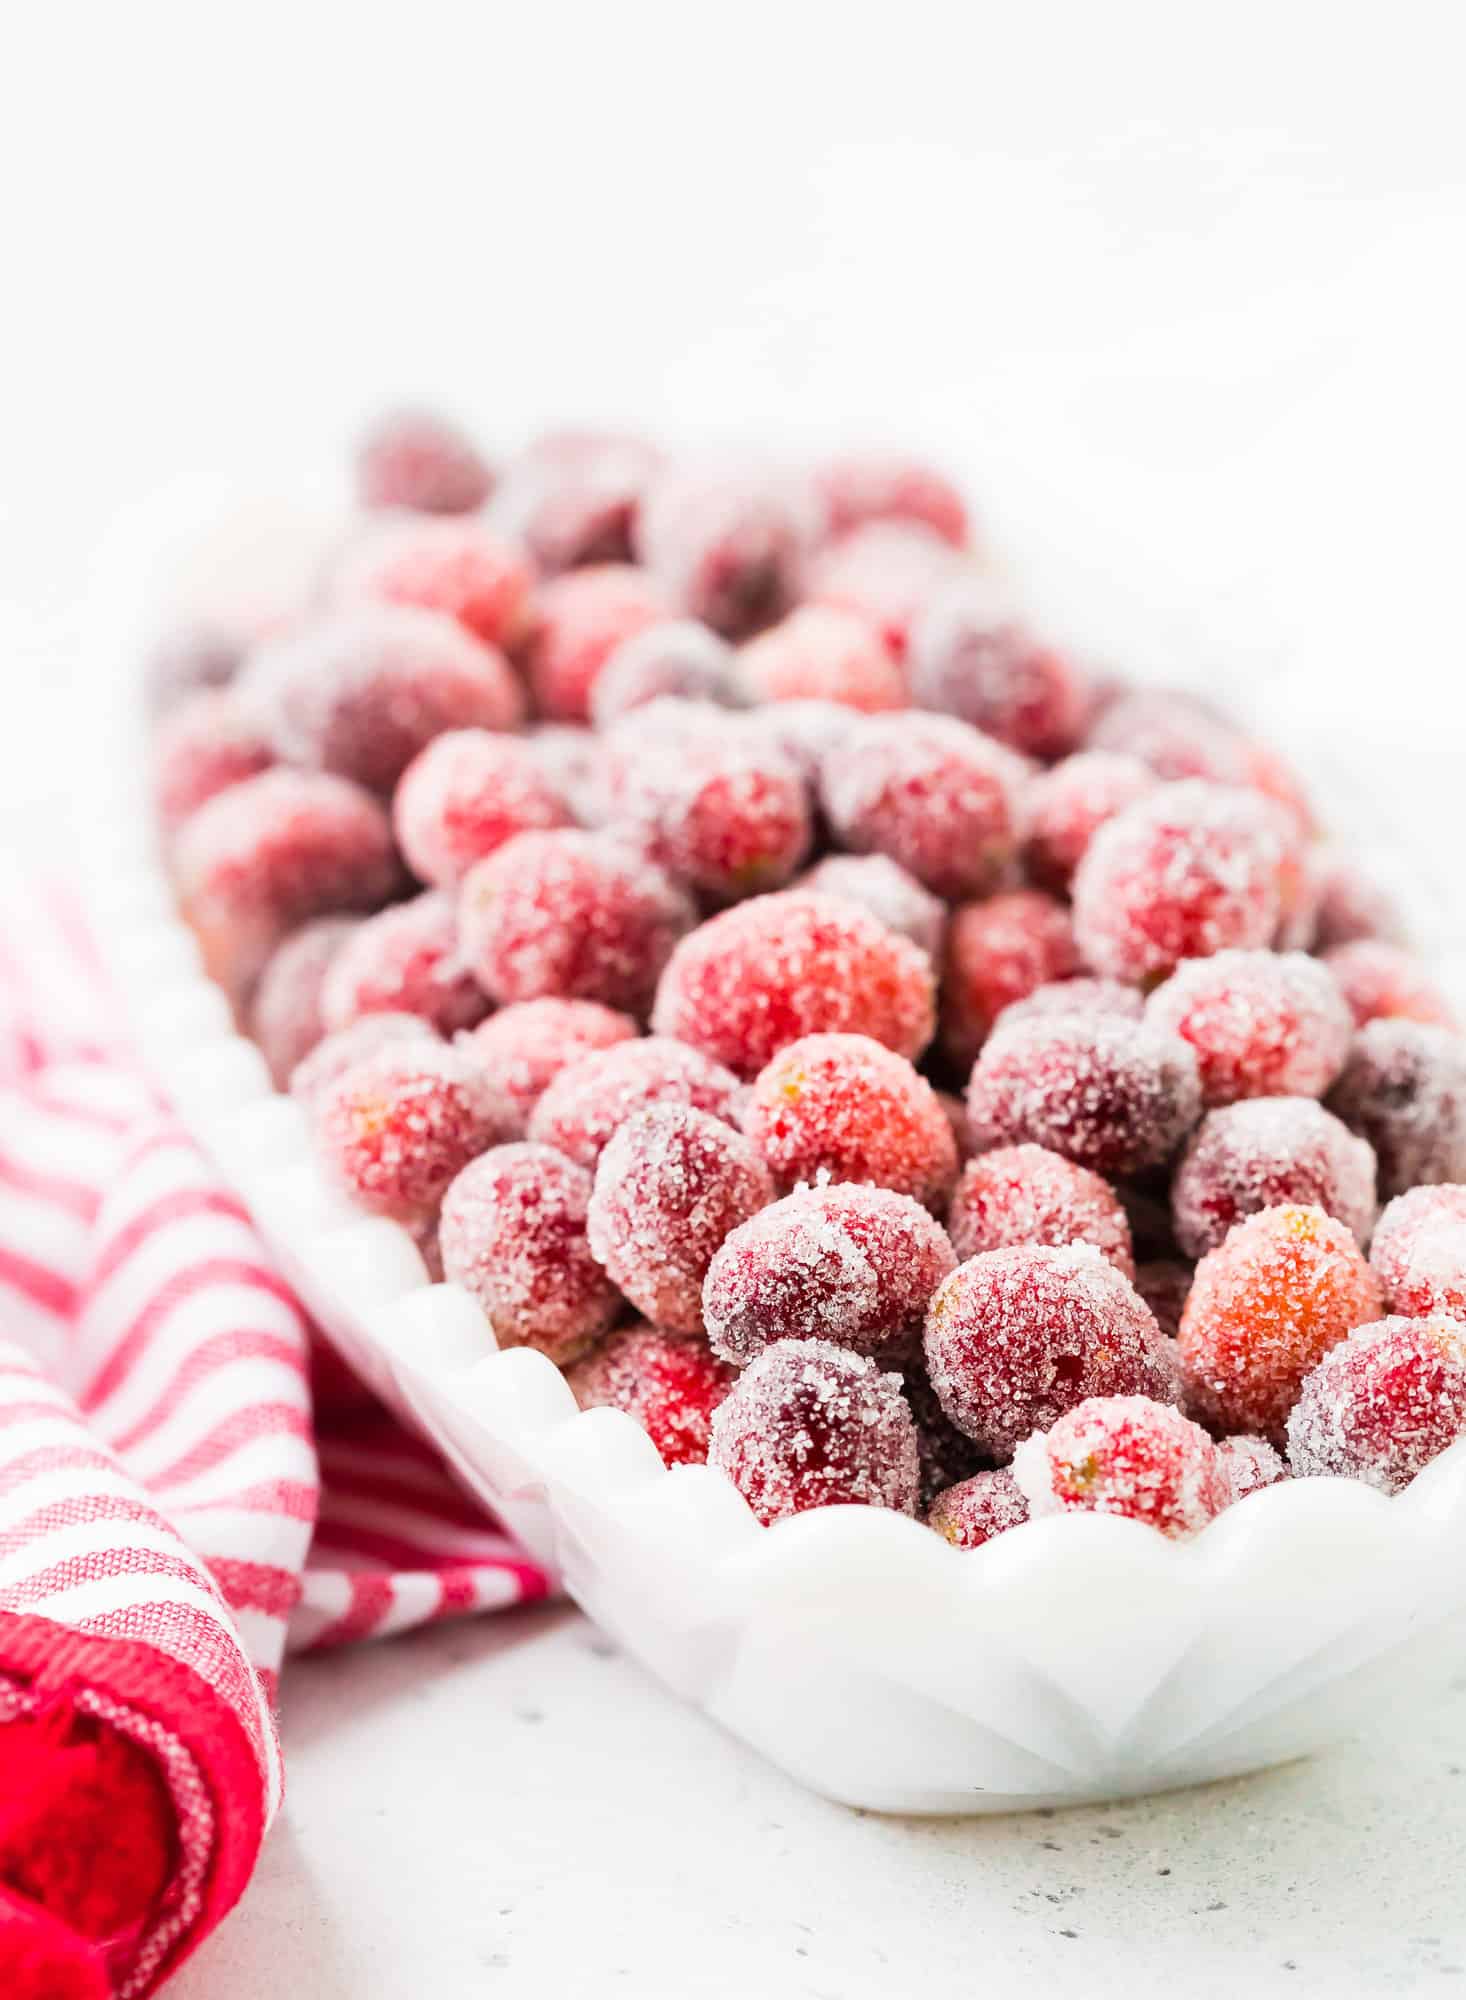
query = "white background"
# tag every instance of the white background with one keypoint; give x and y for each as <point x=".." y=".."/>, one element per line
<point x="1180" y="291"/>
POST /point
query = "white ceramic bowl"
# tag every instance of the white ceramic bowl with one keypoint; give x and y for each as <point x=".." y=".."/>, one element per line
<point x="1072" y="1659"/>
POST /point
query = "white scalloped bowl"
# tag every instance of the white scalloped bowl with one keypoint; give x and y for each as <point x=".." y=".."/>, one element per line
<point x="1077" y="1658"/>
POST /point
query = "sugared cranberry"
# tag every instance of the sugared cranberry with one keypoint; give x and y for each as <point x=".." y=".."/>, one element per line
<point x="405" y="960"/>
<point x="522" y="1049"/>
<point x="569" y="757"/>
<point x="267" y="855"/>
<point x="577" y="621"/>
<point x="676" y="657"/>
<point x="806" y="732"/>
<point x="999" y="952"/>
<point x="930" y="792"/>
<point x="1017" y="1336"/>
<point x="285" y="1012"/>
<point x="466" y="794"/>
<point x="670" y="1186"/>
<point x="416" y="459"/>
<point x="1383" y="1403"/>
<point x="1265" y="1307"/>
<point x="725" y="540"/>
<point x="765" y="973"/>
<point x="1129" y="1456"/>
<point x="671" y="1385"/>
<point x="853" y="1265"/>
<point x="1074" y="996"/>
<point x="571" y="497"/>
<point x="1113" y="1095"/>
<point x="1249" y="1464"/>
<point x="730" y="817"/>
<point x="360" y="692"/>
<point x="1404" y="1090"/>
<point x="458" y="569"/>
<point x="207" y="743"/>
<point x="1188" y="870"/>
<point x="857" y="488"/>
<point x="1267" y="1152"/>
<point x="1381" y="982"/>
<point x="973" y="1511"/>
<point x="821" y="653"/>
<point x="1064" y="809"/>
<point x="1023" y="1194"/>
<point x="883" y="887"/>
<point x="1262" y="1023"/>
<point x="583" y="1106"/>
<point x="570" y="915"/>
<point x="809" y="1424"/>
<point x="397" y="1126"/>
<point x="887" y="572"/>
<point x="513" y="1235"/>
<point x="846" y="1108"/>
<point x="335" y="1054"/>
<point x="1419" y="1251"/>
<point x="972" y="656"/>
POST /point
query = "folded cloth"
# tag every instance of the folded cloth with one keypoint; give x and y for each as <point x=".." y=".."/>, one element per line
<point x="176" y="1510"/>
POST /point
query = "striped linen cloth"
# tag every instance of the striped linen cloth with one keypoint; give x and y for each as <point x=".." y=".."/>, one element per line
<point x="190" y="1484"/>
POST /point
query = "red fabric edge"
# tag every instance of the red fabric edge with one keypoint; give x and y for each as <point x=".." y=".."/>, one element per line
<point x="53" y="1658"/>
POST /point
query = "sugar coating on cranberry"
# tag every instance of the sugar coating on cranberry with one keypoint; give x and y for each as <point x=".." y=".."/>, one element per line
<point x="932" y="793"/>
<point x="285" y="1011"/>
<point x="419" y="460"/>
<point x="761" y="975"/>
<point x="523" y="1048"/>
<point x="570" y="915"/>
<point x="670" y="1384"/>
<point x="334" y="1054"/>
<point x="208" y="742"/>
<point x="1351" y="904"/>
<point x="513" y="1235"/>
<point x="458" y="569"/>
<point x="843" y="1263"/>
<point x="1024" y="1194"/>
<point x="361" y="691"/>
<point x="1265" y="1307"/>
<point x="464" y="795"/>
<point x="730" y="817"/>
<point x="675" y="657"/>
<point x="846" y="1108"/>
<point x="1249" y="1464"/>
<point x="1064" y="808"/>
<point x="1176" y="735"/>
<point x="570" y="497"/>
<point x="1383" y="1403"/>
<point x="397" y="1126"/>
<point x="998" y="953"/>
<point x="1017" y="1336"/>
<point x="590" y="1098"/>
<point x="726" y="540"/>
<point x="1419" y="1251"/>
<point x="1266" y="1152"/>
<point x="1404" y="1090"/>
<point x="577" y="621"/>
<point x="1380" y="981"/>
<point x="1262" y="1023"/>
<point x="1187" y="870"/>
<point x="1113" y="1095"/>
<point x="670" y="1186"/>
<point x="1074" y="996"/>
<point x="267" y="855"/>
<point x="972" y="656"/>
<point x="857" y="488"/>
<point x="887" y="572"/>
<point x="1165" y="1285"/>
<point x="803" y="731"/>
<point x="808" y="1424"/>
<point x="405" y="960"/>
<point x="974" y="1510"/>
<point x="883" y="887"/>
<point x="1129" y="1456"/>
<point x="822" y="653"/>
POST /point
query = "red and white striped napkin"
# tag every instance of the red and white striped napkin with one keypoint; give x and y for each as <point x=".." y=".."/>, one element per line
<point x="177" y="1508"/>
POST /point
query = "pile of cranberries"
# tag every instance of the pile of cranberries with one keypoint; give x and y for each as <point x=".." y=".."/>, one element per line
<point x="785" y="988"/>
